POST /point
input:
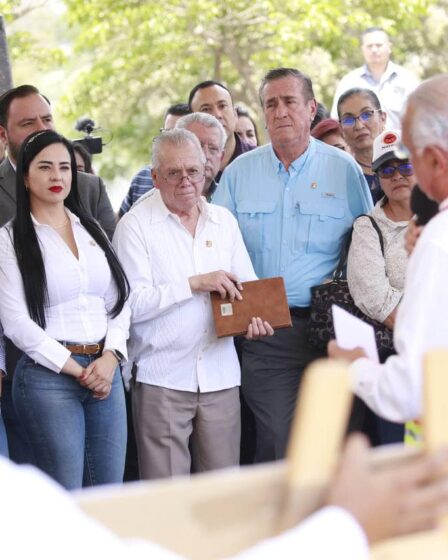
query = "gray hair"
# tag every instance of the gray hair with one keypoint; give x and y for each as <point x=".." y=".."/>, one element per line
<point x="279" y="73"/>
<point x="206" y="120"/>
<point x="430" y="113"/>
<point x="176" y="137"/>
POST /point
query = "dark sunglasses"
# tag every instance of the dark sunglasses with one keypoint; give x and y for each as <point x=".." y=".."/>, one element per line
<point x="388" y="171"/>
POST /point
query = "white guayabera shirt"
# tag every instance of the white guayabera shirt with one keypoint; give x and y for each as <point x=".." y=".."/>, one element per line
<point x="172" y="337"/>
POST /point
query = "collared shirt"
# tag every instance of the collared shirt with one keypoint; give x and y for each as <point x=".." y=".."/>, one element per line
<point x="294" y="221"/>
<point x="173" y="340"/>
<point x="80" y="294"/>
<point x="241" y="147"/>
<point x="394" y="389"/>
<point x="140" y="184"/>
<point x="392" y="90"/>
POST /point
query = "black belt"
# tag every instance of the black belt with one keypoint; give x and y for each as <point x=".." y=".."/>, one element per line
<point x="301" y="312"/>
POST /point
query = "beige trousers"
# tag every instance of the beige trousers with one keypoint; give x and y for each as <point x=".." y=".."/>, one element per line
<point x="169" y="423"/>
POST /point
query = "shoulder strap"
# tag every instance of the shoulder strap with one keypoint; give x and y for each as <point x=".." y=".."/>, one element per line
<point x="376" y="228"/>
<point x="338" y="273"/>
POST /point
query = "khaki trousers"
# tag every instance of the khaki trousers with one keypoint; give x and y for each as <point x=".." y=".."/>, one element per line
<point x="168" y="423"/>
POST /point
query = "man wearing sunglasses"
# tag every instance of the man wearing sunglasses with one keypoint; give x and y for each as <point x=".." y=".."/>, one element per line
<point x="392" y="83"/>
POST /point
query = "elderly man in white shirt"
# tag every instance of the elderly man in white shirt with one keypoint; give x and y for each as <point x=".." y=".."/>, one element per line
<point x="394" y="389"/>
<point x="176" y="249"/>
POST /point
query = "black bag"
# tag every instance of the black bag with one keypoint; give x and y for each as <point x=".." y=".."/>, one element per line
<point x="320" y="327"/>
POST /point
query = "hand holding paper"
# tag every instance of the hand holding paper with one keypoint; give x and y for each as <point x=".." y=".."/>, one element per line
<point x="352" y="333"/>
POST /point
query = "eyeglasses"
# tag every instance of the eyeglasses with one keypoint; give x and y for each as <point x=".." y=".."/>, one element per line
<point x="388" y="171"/>
<point x="175" y="176"/>
<point x="210" y="148"/>
<point x="365" y="116"/>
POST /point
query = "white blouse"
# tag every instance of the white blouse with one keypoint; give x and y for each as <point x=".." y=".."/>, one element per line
<point x="81" y="292"/>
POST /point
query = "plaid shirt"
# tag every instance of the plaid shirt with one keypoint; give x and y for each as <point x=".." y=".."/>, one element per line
<point x="140" y="184"/>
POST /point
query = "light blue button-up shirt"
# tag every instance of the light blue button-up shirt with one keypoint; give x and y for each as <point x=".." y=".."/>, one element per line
<point x="294" y="221"/>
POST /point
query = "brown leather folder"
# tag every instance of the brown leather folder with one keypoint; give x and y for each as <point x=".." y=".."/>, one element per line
<point x="264" y="298"/>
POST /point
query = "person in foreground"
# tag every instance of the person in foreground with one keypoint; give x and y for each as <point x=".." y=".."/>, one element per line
<point x="62" y="302"/>
<point x="362" y="507"/>
<point x="394" y="389"/>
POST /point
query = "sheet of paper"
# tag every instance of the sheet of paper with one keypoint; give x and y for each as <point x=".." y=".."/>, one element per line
<point x="352" y="332"/>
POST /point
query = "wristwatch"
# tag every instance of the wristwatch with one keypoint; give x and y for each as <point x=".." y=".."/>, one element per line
<point x="118" y="355"/>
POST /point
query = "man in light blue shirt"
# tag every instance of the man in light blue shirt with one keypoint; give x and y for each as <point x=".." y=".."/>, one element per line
<point x="295" y="200"/>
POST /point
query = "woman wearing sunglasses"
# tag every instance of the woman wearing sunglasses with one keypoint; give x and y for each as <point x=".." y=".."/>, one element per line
<point x="362" y="120"/>
<point x="376" y="281"/>
<point x="62" y="302"/>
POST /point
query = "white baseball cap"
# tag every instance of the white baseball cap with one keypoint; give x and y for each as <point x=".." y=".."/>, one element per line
<point x="386" y="146"/>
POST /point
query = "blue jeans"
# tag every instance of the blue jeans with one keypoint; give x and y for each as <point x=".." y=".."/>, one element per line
<point x="3" y="440"/>
<point x="18" y="445"/>
<point x="77" y="440"/>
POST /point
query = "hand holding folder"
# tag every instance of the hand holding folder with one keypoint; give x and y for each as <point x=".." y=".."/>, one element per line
<point x="264" y="298"/>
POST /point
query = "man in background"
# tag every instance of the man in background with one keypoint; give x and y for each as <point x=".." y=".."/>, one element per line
<point x="212" y="137"/>
<point x="392" y="83"/>
<point x="214" y="98"/>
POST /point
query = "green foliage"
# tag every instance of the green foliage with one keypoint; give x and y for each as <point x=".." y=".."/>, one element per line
<point x="133" y="58"/>
<point x="146" y="55"/>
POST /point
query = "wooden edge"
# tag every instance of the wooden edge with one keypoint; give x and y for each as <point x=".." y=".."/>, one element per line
<point x="320" y="422"/>
<point x="435" y="394"/>
<point x="216" y="514"/>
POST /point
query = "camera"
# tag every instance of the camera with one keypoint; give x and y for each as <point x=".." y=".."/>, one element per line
<point x="93" y="144"/>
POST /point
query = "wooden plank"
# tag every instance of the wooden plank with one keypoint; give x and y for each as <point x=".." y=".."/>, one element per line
<point x="218" y="514"/>
<point x="435" y="395"/>
<point x="317" y="433"/>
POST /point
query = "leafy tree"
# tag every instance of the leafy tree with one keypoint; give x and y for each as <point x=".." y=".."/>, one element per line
<point x="146" y="55"/>
<point x="133" y="58"/>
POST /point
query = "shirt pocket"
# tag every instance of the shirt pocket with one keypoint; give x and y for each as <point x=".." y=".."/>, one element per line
<point x="320" y="225"/>
<point x="256" y="221"/>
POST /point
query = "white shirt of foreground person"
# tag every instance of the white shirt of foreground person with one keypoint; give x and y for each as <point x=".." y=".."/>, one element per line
<point x="173" y="339"/>
<point x="394" y="389"/>
<point x="40" y="520"/>
<point x="80" y="292"/>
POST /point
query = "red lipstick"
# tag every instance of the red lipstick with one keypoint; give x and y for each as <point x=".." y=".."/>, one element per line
<point x="56" y="189"/>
